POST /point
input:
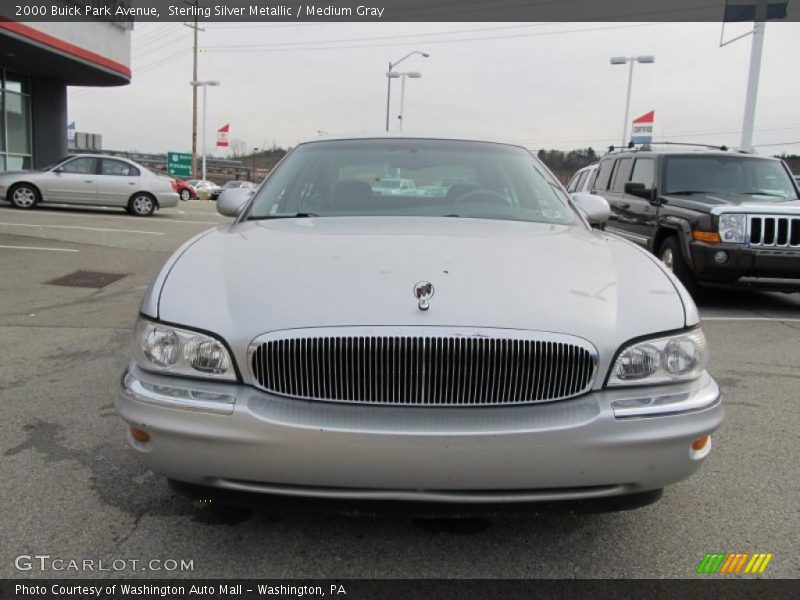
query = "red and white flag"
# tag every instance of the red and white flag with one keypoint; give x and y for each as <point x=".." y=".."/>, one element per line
<point x="222" y="135"/>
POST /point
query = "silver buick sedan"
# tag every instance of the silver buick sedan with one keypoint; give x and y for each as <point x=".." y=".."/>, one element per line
<point x="91" y="180"/>
<point x="479" y="344"/>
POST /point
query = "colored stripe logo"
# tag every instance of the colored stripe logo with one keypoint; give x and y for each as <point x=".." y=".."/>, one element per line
<point x="734" y="563"/>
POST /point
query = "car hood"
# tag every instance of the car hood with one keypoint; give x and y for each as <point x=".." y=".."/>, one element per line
<point x="243" y="280"/>
<point x="707" y="202"/>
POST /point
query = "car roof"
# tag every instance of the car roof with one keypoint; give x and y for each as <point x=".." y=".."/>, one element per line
<point x="396" y="135"/>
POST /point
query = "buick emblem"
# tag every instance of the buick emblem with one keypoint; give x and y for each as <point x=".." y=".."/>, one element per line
<point x="423" y="291"/>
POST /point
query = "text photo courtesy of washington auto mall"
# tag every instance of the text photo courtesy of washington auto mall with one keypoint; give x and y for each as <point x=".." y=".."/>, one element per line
<point x="399" y="299"/>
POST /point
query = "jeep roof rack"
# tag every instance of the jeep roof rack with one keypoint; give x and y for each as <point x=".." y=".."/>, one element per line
<point x="644" y="147"/>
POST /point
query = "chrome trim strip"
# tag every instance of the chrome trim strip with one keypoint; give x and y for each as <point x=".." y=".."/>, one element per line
<point x="142" y="391"/>
<point x="669" y="404"/>
<point x="460" y="496"/>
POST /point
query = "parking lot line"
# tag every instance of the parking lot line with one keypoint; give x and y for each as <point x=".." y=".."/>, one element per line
<point x="789" y="319"/>
<point x="83" y="228"/>
<point x="86" y="214"/>
<point x="39" y="248"/>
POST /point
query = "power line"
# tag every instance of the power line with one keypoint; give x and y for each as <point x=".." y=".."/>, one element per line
<point x="283" y="48"/>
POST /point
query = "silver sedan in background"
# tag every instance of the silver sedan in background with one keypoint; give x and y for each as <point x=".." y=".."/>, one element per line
<point x="91" y="179"/>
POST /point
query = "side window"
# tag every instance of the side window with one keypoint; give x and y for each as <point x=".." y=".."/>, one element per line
<point x="85" y="165"/>
<point x="573" y="183"/>
<point x="621" y="174"/>
<point x="117" y="167"/>
<point x="603" y="175"/>
<point x="643" y="172"/>
<point x="581" y="180"/>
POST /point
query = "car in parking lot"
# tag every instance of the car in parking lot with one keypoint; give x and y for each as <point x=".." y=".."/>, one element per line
<point x="582" y="181"/>
<point x="208" y="188"/>
<point x="236" y="184"/>
<point x="91" y="179"/>
<point x="714" y="217"/>
<point x="484" y="346"/>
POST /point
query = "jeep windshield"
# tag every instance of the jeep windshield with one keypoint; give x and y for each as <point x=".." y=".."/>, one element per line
<point x="473" y="180"/>
<point x="763" y="178"/>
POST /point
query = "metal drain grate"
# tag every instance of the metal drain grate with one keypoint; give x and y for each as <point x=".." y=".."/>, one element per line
<point x="87" y="279"/>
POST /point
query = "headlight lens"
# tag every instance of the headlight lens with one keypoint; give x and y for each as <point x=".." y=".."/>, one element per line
<point x="680" y="357"/>
<point x="732" y="228"/>
<point x="167" y="349"/>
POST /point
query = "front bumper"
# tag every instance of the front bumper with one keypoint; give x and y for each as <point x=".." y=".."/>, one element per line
<point x="568" y="450"/>
<point x="761" y="268"/>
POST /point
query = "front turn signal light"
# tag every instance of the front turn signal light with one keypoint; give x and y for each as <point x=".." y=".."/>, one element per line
<point x="711" y="237"/>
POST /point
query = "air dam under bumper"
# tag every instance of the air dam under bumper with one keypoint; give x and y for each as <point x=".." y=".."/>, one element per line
<point x="566" y="450"/>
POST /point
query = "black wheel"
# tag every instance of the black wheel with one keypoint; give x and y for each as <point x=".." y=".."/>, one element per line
<point x="142" y="205"/>
<point x="24" y="195"/>
<point x="670" y="254"/>
<point x="185" y="195"/>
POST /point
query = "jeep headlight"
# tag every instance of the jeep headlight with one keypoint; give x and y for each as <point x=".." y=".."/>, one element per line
<point x="732" y="228"/>
<point x="679" y="357"/>
<point x="176" y="351"/>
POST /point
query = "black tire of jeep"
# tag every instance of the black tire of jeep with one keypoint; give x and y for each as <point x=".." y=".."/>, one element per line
<point x="670" y="254"/>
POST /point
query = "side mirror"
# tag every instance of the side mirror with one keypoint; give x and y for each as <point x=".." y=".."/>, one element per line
<point x="231" y="202"/>
<point x="58" y="170"/>
<point x="638" y="189"/>
<point x="595" y="207"/>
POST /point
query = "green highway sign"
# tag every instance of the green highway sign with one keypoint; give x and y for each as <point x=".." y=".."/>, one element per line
<point x="179" y="164"/>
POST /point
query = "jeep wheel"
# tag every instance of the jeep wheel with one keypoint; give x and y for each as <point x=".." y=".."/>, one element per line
<point x="670" y="254"/>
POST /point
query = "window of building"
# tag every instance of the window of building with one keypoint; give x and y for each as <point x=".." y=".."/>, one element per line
<point x="15" y="122"/>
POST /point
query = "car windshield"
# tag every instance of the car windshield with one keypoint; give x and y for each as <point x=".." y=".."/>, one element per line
<point x="233" y="184"/>
<point x="388" y="184"/>
<point x="729" y="175"/>
<point x="55" y="164"/>
<point x="445" y="179"/>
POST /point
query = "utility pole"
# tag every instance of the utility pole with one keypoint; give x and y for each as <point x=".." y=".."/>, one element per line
<point x="753" y="76"/>
<point x="195" y="29"/>
<point x="194" y="99"/>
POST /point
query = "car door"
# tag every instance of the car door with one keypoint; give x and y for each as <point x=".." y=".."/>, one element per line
<point x="73" y="181"/>
<point x="640" y="212"/>
<point x="117" y="181"/>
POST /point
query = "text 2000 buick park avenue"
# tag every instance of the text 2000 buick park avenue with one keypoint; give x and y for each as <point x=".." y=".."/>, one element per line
<point x="473" y="340"/>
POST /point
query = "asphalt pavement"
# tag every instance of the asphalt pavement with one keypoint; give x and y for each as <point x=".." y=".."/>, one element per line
<point x="72" y="489"/>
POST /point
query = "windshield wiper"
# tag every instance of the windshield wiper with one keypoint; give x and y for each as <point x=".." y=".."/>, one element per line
<point x="300" y="215"/>
<point x="773" y="194"/>
<point x="688" y="192"/>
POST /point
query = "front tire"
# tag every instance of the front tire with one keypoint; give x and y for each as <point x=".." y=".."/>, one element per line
<point x="24" y="196"/>
<point x="670" y="254"/>
<point x="185" y="195"/>
<point x="142" y="205"/>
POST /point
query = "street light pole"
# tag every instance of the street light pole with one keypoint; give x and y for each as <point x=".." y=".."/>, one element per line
<point x="753" y="75"/>
<point x="204" y="85"/>
<point x="392" y="65"/>
<point x="621" y="60"/>
<point x="394" y="75"/>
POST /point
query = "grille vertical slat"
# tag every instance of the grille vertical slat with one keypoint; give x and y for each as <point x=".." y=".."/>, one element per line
<point x="427" y="370"/>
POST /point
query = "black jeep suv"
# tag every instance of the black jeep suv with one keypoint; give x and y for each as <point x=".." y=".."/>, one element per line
<point x="716" y="218"/>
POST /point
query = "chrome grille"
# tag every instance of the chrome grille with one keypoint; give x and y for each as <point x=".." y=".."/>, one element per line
<point x="773" y="231"/>
<point x="414" y="366"/>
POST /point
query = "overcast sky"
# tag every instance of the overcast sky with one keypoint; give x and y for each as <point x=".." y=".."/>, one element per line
<point x="546" y="85"/>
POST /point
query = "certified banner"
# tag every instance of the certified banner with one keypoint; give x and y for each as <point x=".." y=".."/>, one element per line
<point x="642" y="131"/>
<point x="222" y="135"/>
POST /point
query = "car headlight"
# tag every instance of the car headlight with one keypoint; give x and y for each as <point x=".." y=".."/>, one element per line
<point x="176" y="351"/>
<point x="732" y="228"/>
<point x="674" y="358"/>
